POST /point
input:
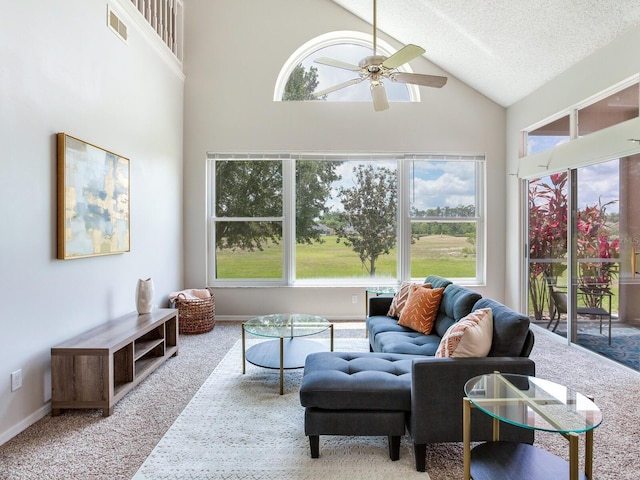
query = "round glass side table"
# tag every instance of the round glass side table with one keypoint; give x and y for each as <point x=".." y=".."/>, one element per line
<point x="533" y="403"/>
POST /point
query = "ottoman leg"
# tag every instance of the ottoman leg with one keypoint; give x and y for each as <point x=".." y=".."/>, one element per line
<point x="314" y="444"/>
<point x="420" y="451"/>
<point x="394" y="447"/>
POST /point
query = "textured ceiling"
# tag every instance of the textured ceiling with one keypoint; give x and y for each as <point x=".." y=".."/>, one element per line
<point x="505" y="49"/>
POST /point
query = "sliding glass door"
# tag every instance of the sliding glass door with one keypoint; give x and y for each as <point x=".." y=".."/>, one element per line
<point x="584" y="233"/>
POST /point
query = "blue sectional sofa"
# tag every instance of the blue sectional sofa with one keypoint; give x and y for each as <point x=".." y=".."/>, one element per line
<point x="511" y="334"/>
<point x="342" y="391"/>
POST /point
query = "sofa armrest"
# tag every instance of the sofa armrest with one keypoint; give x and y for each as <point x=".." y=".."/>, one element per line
<point x="436" y="398"/>
<point x="379" y="305"/>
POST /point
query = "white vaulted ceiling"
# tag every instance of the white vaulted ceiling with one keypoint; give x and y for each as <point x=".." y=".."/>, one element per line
<point x="505" y="49"/>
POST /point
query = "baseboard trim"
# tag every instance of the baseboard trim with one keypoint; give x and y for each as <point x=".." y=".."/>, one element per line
<point x="331" y="318"/>
<point x="25" y="423"/>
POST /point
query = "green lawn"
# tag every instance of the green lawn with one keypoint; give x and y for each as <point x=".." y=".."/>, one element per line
<point x="434" y="254"/>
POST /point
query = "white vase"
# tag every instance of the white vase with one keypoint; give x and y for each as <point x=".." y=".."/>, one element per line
<point x="144" y="296"/>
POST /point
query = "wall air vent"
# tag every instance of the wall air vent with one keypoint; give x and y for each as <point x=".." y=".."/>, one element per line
<point x="116" y="25"/>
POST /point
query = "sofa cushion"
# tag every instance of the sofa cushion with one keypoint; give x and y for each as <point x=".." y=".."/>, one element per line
<point x="469" y="337"/>
<point x="400" y="298"/>
<point x="421" y="308"/>
<point x="510" y="329"/>
<point x="457" y="302"/>
<point x="409" y="342"/>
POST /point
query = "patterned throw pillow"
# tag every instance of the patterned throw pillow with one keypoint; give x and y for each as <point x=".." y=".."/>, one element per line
<point x="399" y="300"/>
<point x="469" y="337"/>
<point x="419" y="313"/>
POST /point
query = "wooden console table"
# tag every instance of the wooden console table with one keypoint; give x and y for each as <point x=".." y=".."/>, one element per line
<point x="97" y="368"/>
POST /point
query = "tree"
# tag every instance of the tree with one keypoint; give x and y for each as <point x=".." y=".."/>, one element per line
<point x="250" y="189"/>
<point x="313" y="187"/>
<point x="370" y="211"/>
<point x="301" y="84"/>
<point x="254" y="188"/>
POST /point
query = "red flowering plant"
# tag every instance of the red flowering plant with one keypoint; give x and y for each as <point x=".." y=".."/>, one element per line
<point x="595" y="242"/>
<point x="547" y="237"/>
<point x="548" y="244"/>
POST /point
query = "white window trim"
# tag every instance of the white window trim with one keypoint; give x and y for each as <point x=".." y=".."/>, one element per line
<point x="289" y="228"/>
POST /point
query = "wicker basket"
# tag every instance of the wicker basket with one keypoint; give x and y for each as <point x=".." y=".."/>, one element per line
<point x="196" y="315"/>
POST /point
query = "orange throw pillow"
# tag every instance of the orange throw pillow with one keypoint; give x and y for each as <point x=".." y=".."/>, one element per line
<point x="400" y="299"/>
<point x="419" y="313"/>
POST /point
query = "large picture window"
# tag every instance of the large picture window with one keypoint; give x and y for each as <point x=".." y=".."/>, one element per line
<point x="330" y="219"/>
<point x="444" y="213"/>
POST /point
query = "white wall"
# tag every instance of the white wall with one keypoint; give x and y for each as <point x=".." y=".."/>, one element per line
<point x="606" y="67"/>
<point x="63" y="70"/>
<point x="233" y="54"/>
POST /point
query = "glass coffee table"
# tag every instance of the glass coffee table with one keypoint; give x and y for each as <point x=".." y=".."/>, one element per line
<point x="533" y="403"/>
<point x="288" y="350"/>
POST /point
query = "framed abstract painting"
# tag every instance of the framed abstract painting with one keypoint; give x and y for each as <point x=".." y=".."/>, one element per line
<point x="93" y="200"/>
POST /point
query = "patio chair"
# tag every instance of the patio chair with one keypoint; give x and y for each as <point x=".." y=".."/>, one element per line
<point x="559" y="307"/>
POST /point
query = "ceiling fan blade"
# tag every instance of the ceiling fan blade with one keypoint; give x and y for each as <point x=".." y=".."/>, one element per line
<point x="379" y="96"/>
<point x="348" y="83"/>
<point x="337" y="63"/>
<point x="419" y="79"/>
<point x="403" y="56"/>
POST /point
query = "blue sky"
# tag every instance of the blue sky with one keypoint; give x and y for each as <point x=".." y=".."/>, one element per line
<point x="435" y="184"/>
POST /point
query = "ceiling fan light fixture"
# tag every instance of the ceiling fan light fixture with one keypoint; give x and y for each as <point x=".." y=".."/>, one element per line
<point x="379" y="96"/>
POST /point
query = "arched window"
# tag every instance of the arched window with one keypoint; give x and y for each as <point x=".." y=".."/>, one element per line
<point x="349" y="47"/>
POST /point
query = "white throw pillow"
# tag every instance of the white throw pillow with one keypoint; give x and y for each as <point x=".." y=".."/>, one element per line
<point x="469" y="337"/>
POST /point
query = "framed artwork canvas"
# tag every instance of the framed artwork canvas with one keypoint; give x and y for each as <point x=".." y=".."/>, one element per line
<point x="93" y="200"/>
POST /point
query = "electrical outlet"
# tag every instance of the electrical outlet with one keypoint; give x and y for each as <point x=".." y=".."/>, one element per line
<point x="354" y="299"/>
<point x="16" y="380"/>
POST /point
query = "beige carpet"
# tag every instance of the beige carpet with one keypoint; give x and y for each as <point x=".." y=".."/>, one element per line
<point x="238" y="427"/>
<point x="84" y="445"/>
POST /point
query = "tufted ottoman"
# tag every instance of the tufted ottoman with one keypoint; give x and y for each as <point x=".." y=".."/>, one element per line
<point x="356" y="394"/>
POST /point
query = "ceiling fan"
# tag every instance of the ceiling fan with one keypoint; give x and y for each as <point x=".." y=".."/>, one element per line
<point x="376" y="67"/>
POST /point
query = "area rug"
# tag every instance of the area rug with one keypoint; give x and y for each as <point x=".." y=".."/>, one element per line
<point x="624" y="348"/>
<point x="239" y="427"/>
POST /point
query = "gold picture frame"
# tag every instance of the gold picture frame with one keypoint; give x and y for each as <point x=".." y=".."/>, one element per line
<point x="93" y="200"/>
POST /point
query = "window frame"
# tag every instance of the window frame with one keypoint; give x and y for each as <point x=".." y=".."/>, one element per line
<point x="288" y="219"/>
<point x="572" y="113"/>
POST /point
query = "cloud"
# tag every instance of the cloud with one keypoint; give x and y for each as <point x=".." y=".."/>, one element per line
<point x="443" y="184"/>
<point x="600" y="181"/>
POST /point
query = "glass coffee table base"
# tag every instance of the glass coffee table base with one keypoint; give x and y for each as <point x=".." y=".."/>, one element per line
<point x="516" y="461"/>
<point x="282" y="354"/>
<point x="267" y="354"/>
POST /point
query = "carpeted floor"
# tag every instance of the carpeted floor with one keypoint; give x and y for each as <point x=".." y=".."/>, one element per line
<point x="84" y="445"/>
<point x="238" y="427"/>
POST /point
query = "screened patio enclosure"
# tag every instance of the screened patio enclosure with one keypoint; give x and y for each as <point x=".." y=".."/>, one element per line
<point x="584" y="239"/>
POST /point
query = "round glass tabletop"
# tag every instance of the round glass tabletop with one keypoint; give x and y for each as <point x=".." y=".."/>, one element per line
<point x="532" y="402"/>
<point x="286" y="325"/>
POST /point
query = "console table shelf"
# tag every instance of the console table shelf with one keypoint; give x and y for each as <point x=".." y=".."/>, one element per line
<point x="97" y="368"/>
